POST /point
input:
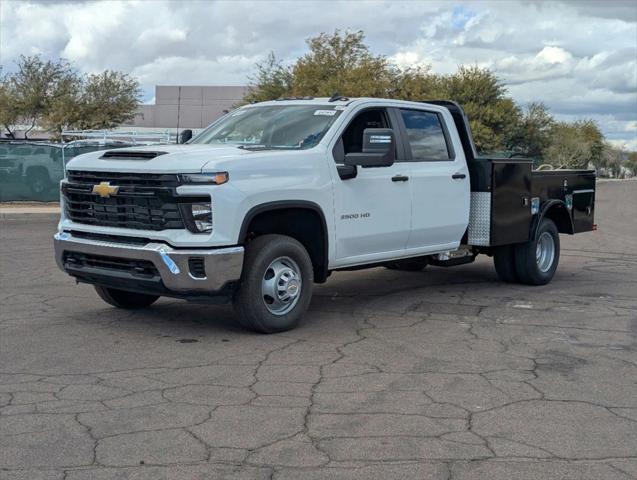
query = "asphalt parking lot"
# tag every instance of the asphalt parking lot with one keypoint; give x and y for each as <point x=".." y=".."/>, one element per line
<point x="441" y="374"/>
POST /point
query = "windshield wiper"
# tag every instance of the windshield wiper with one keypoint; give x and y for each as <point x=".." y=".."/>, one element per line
<point x="267" y="147"/>
<point x="252" y="146"/>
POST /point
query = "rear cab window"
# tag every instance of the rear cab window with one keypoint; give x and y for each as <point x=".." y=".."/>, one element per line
<point x="426" y="136"/>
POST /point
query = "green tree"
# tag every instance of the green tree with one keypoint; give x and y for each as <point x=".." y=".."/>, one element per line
<point x="578" y="144"/>
<point x="9" y="115"/>
<point x="568" y="147"/>
<point x="614" y="161"/>
<point x="341" y="63"/>
<point x="593" y="136"/>
<point x="54" y="96"/>
<point x="272" y="80"/>
<point x="531" y="134"/>
<point x="631" y="163"/>
<point x="417" y="83"/>
<point x="38" y="84"/>
<point x="484" y="98"/>
<point x="63" y="108"/>
<point x="107" y="100"/>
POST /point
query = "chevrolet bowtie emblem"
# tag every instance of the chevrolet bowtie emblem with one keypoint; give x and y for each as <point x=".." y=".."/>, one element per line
<point x="105" y="189"/>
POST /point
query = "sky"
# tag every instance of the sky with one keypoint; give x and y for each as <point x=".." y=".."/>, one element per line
<point x="578" y="57"/>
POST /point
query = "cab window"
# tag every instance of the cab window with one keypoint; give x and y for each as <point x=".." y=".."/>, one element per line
<point x="426" y="136"/>
<point x="353" y="134"/>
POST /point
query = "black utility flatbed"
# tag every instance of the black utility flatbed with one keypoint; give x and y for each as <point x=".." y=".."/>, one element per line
<point x="519" y="197"/>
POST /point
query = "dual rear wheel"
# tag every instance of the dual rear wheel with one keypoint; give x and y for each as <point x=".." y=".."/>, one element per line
<point x="533" y="262"/>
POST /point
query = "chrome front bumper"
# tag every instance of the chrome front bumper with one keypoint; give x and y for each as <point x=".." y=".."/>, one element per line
<point x="222" y="265"/>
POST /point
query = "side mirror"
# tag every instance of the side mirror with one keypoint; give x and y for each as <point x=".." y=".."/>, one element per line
<point x="185" y="135"/>
<point x="379" y="149"/>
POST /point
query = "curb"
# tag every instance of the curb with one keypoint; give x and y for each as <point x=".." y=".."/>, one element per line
<point x="28" y="218"/>
<point x="10" y="211"/>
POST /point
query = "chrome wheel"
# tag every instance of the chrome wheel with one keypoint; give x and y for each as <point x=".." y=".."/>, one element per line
<point x="281" y="286"/>
<point x="545" y="252"/>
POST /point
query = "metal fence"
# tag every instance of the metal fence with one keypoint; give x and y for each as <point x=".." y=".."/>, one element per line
<point x="32" y="170"/>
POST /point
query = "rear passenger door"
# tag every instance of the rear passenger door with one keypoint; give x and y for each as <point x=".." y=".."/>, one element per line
<point x="439" y="182"/>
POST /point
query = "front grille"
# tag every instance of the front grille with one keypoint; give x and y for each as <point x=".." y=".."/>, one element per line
<point x="119" y="178"/>
<point x="142" y="202"/>
<point x="141" y="268"/>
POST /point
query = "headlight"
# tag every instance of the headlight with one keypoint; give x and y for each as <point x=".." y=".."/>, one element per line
<point x="201" y="216"/>
<point x="218" y="178"/>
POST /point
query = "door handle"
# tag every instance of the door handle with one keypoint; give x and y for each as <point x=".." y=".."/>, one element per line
<point x="458" y="176"/>
<point x="399" y="178"/>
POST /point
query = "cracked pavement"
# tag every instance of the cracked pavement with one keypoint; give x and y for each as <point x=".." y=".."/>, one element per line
<point x="441" y="374"/>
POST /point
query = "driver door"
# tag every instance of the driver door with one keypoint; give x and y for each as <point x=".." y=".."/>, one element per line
<point x="372" y="208"/>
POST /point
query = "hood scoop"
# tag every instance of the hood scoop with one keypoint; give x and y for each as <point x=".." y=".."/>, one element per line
<point x="131" y="155"/>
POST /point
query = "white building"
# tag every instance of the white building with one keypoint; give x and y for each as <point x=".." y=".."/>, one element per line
<point x="179" y="107"/>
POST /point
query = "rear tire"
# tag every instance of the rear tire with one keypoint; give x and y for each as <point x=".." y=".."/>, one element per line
<point x="124" y="299"/>
<point x="537" y="260"/>
<point x="276" y="284"/>
<point x="504" y="262"/>
<point x="408" y="264"/>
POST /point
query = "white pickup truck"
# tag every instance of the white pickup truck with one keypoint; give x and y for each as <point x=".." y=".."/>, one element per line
<point x="274" y="196"/>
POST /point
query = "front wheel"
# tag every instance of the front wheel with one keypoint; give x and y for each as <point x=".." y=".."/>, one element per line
<point x="537" y="260"/>
<point x="276" y="284"/>
<point x="124" y="299"/>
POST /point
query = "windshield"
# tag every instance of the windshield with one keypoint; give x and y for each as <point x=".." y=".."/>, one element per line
<point x="272" y="127"/>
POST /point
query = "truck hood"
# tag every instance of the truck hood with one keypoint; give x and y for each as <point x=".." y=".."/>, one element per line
<point x="170" y="158"/>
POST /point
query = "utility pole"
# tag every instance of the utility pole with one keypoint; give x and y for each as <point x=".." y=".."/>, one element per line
<point x="178" y="109"/>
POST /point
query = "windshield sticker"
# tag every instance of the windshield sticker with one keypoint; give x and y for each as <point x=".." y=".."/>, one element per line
<point x="325" y="113"/>
<point x="340" y="107"/>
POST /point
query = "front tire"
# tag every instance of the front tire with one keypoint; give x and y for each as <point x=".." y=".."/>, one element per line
<point x="537" y="260"/>
<point x="276" y="284"/>
<point x="124" y="299"/>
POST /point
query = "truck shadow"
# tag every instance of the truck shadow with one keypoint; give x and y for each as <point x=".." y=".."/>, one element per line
<point x="344" y="293"/>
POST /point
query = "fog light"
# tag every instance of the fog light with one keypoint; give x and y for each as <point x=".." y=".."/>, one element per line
<point x="201" y="217"/>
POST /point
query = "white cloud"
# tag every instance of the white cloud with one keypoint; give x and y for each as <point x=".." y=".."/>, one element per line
<point x="629" y="145"/>
<point x="224" y="70"/>
<point x="578" y="57"/>
<point x="553" y="55"/>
